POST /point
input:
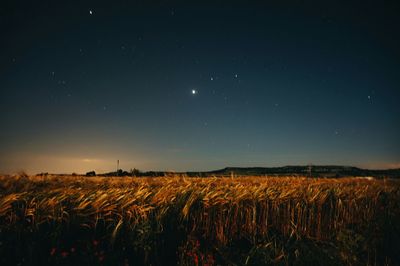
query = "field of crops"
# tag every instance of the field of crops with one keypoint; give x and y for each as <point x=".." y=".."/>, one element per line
<point x="66" y="220"/>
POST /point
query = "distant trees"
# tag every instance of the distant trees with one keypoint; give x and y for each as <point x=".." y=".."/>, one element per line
<point x="119" y="172"/>
<point x="135" y="172"/>
<point x="91" y="173"/>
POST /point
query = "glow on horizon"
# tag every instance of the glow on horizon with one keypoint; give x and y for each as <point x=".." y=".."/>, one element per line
<point x="33" y="164"/>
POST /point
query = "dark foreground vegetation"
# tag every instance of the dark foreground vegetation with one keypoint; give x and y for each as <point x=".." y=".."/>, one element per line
<point x="74" y="220"/>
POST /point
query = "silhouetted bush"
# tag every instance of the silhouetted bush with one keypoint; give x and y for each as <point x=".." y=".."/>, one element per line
<point x="91" y="173"/>
<point x="135" y="172"/>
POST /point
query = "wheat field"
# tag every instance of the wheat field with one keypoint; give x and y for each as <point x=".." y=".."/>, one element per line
<point x="177" y="220"/>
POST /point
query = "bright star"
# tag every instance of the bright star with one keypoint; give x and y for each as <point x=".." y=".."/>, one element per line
<point x="194" y="92"/>
<point x="90" y="12"/>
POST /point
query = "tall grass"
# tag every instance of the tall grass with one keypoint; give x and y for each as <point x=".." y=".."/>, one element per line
<point x="265" y="217"/>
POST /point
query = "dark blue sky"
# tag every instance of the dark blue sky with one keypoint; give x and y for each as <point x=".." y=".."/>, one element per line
<point x="85" y="84"/>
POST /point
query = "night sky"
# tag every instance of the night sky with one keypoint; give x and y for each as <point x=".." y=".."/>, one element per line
<point x="185" y="86"/>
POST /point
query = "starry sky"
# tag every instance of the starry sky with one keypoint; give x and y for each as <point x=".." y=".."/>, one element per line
<point x="167" y="85"/>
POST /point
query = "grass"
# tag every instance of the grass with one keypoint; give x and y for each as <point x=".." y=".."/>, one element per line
<point x="199" y="221"/>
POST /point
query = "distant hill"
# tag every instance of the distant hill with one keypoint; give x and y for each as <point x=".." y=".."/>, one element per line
<point x="314" y="171"/>
<point x="306" y="170"/>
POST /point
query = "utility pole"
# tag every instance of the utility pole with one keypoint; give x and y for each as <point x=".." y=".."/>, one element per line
<point x="117" y="167"/>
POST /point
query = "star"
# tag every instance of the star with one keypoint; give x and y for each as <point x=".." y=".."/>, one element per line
<point x="194" y="92"/>
<point x="211" y="78"/>
<point x="236" y="75"/>
<point x="369" y="97"/>
<point x="90" y="12"/>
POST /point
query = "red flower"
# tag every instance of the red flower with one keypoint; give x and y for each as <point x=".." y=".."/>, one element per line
<point x="53" y="251"/>
<point x="64" y="254"/>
